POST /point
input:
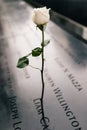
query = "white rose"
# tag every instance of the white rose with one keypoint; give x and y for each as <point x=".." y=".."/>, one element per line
<point x="41" y="16"/>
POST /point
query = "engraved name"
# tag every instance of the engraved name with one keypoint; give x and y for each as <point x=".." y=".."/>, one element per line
<point x="14" y="113"/>
<point x="60" y="98"/>
<point x="70" y="76"/>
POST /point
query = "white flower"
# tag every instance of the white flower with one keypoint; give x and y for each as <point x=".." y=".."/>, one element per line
<point x="41" y="16"/>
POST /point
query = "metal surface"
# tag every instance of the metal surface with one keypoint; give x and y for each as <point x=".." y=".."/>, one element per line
<point x="65" y="74"/>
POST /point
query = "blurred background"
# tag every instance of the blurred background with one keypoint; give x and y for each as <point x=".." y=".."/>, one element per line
<point x="73" y="9"/>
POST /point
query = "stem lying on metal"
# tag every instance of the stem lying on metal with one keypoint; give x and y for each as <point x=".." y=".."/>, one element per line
<point x="42" y="70"/>
<point x="44" y="120"/>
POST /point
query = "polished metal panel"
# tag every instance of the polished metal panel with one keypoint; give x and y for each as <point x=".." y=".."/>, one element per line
<point x="20" y="89"/>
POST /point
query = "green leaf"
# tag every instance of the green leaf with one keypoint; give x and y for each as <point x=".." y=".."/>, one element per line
<point x="23" y="62"/>
<point x="37" y="51"/>
<point x="46" y="42"/>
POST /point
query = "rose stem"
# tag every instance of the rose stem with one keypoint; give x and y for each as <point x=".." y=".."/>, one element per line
<point x="42" y="70"/>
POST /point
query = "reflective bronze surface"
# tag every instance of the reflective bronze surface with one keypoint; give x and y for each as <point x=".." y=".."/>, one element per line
<point x="65" y="74"/>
